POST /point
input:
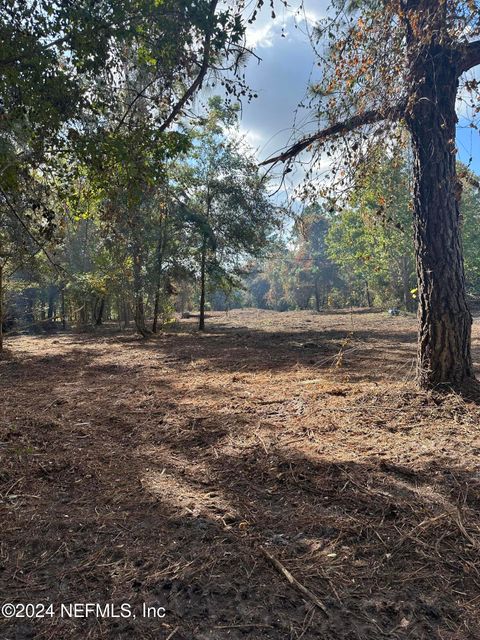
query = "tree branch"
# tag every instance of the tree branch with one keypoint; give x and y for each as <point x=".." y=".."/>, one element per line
<point x="197" y="83"/>
<point x="40" y="246"/>
<point x="192" y="89"/>
<point x="355" y="122"/>
<point x="471" y="56"/>
<point x="5" y="62"/>
<point x="139" y="95"/>
<point x="469" y="178"/>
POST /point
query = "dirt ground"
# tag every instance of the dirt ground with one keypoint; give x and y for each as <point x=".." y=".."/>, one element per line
<point x="166" y="471"/>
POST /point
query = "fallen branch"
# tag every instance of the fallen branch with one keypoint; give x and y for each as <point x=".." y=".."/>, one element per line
<point x="170" y="635"/>
<point x="461" y="526"/>
<point x="294" y="582"/>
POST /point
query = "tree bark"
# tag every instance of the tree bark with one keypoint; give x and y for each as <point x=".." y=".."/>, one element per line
<point x="317" y="297"/>
<point x="140" y="321"/>
<point x="203" y="268"/>
<point x="30" y="295"/>
<point x="367" y="293"/>
<point x="1" y="306"/>
<point x="407" y="300"/>
<point x="444" y="356"/>
<point x="160" y="251"/>
<point x="64" y="318"/>
<point x="51" y="302"/>
<point x="156" y="308"/>
<point x="99" y="312"/>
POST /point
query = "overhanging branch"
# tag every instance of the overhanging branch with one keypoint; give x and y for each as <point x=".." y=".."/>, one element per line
<point x="471" y="56"/>
<point x="40" y="246"/>
<point x="197" y="83"/>
<point x="191" y="90"/>
<point x="355" y="122"/>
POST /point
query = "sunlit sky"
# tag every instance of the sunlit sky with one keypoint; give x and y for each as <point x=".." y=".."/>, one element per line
<point x="283" y="75"/>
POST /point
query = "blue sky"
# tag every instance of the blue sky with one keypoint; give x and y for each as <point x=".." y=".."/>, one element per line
<point x="468" y="144"/>
<point x="282" y="78"/>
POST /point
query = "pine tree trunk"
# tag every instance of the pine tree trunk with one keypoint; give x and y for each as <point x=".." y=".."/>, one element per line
<point x="158" y="289"/>
<point x="367" y="293"/>
<point x="1" y="306"/>
<point x="140" y="321"/>
<point x="407" y="300"/>
<point x="156" y="309"/>
<point x="99" y="312"/>
<point x="51" y="302"/>
<point x="317" y="297"/>
<point x="64" y="318"/>
<point x="444" y="356"/>
<point x="30" y="307"/>
<point x="203" y="266"/>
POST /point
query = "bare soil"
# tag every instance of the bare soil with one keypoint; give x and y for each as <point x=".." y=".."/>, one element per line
<point x="165" y="471"/>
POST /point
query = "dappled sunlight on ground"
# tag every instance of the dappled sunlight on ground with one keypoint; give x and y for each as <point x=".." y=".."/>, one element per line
<point x="155" y="471"/>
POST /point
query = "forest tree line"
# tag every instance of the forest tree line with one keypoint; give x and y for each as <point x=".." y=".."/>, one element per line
<point x="125" y="249"/>
<point x="360" y="254"/>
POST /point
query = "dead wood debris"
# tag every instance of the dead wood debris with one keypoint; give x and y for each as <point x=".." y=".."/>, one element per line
<point x="293" y="581"/>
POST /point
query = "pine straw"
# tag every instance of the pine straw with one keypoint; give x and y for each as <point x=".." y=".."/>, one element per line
<point x="156" y="471"/>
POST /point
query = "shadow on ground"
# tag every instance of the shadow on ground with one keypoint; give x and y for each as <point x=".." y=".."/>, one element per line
<point x="155" y="472"/>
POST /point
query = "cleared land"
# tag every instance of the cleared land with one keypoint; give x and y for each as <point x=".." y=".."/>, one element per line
<point x="161" y="471"/>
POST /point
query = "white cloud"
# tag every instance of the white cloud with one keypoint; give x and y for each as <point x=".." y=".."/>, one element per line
<point x="260" y="36"/>
<point x="264" y="31"/>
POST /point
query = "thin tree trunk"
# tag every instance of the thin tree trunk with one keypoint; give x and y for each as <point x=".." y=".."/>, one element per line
<point x="99" y="312"/>
<point x="407" y="300"/>
<point x="367" y="293"/>
<point x="140" y="321"/>
<point x="119" y="312"/>
<point x="30" y="307"/>
<point x="43" y="315"/>
<point x="83" y="315"/>
<point x="1" y="306"/>
<point x="64" y="318"/>
<point x="317" y="298"/>
<point x="160" y="250"/>
<point x="156" y="309"/>
<point x="51" y="303"/>
<point x="203" y="268"/>
<point x="444" y="356"/>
